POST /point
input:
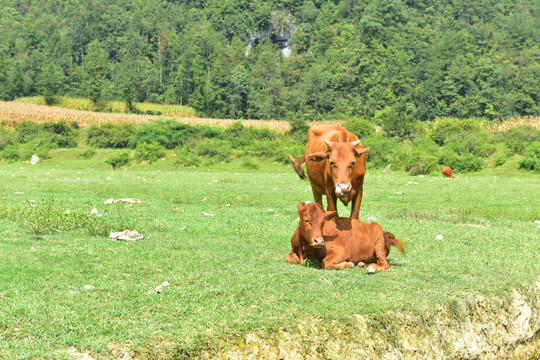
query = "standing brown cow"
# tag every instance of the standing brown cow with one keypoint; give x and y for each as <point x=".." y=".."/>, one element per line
<point x="447" y="172"/>
<point x="340" y="242"/>
<point x="336" y="165"/>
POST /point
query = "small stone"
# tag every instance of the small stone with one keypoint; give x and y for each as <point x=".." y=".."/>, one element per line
<point x="372" y="218"/>
<point x="34" y="159"/>
<point x="439" y="238"/>
<point x="89" y="287"/>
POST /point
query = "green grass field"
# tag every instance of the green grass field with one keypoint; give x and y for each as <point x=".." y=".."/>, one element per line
<point x="227" y="272"/>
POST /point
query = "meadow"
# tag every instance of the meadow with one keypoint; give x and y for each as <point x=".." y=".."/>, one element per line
<point x="219" y="235"/>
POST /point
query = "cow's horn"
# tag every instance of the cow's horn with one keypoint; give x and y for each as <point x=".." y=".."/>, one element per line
<point x="328" y="143"/>
<point x="355" y="143"/>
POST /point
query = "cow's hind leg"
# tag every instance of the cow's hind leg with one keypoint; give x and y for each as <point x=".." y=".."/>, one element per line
<point x="335" y="261"/>
<point x="380" y="251"/>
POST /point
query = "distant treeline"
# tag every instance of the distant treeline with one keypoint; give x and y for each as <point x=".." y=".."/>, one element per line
<point x="464" y="145"/>
<point x="389" y="61"/>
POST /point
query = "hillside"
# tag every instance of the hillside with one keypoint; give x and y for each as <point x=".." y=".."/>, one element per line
<point x="389" y="61"/>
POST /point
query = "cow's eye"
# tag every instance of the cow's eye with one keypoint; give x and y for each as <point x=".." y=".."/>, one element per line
<point x="352" y="164"/>
<point x="307" y="221"/>
<point x="332" y="163"/>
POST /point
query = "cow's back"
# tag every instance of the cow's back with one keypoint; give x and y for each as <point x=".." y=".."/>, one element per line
<point x="352" y="237"/>
<point x="318" y="134"/>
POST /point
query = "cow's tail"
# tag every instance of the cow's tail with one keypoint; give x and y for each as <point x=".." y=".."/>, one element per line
<point x="390" y="239"/>
<point x="297" y="164"/>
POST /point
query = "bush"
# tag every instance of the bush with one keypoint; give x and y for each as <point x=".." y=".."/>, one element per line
<point x="219" y="150"/>
<point x="531" y="158"/>
<point x="421" y="163"/>
<point x="88" y="154"/>
<point x="111" y="135"/>
<point x="10" y="153"/>
<point x="360" y="127"/>
<point x="499" y="160"/>
<point x="446" y="128"/>
<point x="382" y="151"/>
<point x="250" y="164"/>
<point x="6" y="138"/>
<point x="149" y="152"/>
<point x="517" y="138"/>
<point x="470" y="163"/>
<point x="61" y="134"/>
<point x="185" y="157"/>
<point x="119" y="160"/>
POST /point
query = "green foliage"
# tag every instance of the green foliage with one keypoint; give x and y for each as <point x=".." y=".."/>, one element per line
<point x="89" y="153"/>
<point x="119" y="160"/>
<point x="50" y="83"/>
<point x="359" y="127"/>
<point x="531" y="157"/>
<point x="149" y="152"/>
<point x="519" y="137"/>
<point x="250" y="164"/>
<point x="448" y="128"/>
<point x="111" y="135"/>
<point x="218" y="150"/>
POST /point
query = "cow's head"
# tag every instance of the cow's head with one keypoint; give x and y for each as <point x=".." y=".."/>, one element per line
<point x="341" y="157"/>
<point x="312" y="219"/>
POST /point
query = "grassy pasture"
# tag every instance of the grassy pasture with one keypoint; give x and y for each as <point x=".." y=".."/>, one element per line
<point x="227" y="271"/>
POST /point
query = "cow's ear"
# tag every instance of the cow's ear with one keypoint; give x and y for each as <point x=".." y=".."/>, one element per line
<point x="358" y="152"/>
<point x="319" y="156"/>
<point x="330" y="214"/>
<point x="301" y="207"/>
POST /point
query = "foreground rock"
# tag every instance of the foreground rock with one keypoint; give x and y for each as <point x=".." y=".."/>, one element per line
<point x="473" y="329"/>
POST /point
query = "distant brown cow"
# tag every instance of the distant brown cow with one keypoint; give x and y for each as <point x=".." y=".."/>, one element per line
<point x="447" y="172"/>
<point x="339" y="242"/>
<point x="336" y="165"/>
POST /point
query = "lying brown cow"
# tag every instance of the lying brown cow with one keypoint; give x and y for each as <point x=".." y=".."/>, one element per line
<point x="447" y="172"/>
<point x="340" y="242"/>
<point x="336" y="165"/>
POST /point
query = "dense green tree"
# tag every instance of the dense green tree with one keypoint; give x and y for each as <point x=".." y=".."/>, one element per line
<point x="96" y="71"/>
<point x="346" y="58"/>
<point x="50" y="82"/>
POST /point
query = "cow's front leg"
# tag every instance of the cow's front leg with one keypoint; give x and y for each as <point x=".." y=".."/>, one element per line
<point x="331" y="199"/>
<point x="356" y="202"/>
<point x="292" y="258"/>
<point x="336" y="261"/>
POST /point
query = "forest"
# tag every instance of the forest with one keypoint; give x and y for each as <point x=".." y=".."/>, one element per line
<point x="391" y="62"/>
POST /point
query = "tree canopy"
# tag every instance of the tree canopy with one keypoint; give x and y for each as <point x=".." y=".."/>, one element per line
<point x="406" y="60"/>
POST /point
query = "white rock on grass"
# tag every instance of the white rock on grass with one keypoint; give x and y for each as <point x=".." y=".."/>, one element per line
<point x="89" y="287"/>
<point x="34" y="159"/>
<point x="160" y="288"/>
<point x="439" y="237"/>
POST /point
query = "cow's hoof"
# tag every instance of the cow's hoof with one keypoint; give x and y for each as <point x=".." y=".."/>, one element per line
<point x="361" y="264"/>
<point x="370" y="270"/>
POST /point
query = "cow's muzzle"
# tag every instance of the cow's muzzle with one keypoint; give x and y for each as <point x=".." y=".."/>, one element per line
<point x="343" y="189"/>
<point x="317" y="242"/>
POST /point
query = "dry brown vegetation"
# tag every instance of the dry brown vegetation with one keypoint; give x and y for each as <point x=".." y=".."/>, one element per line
<point x="12" y="112"/>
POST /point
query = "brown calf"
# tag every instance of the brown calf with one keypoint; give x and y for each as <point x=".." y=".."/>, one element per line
<point x="447" y="172"/>
<point x="339" y="242"/>
<point x="336" y="165"/>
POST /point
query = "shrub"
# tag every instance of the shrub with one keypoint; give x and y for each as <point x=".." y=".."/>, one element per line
<point x="185" y="157"/>
<point x="531" y="157"/>
<point x="446" y="128"/>
<point x="517" y="138"/>
<point x="40" y="147"/>
<point x="219" y="150"/>
<point x="499" y="160"/>
<point x="421" y="163"/>
<point x="382" y="151"/>
<point x="61" y="134"/>
<point x="88" y="154"/>
<point x="360" y="127"/>
<point x="119" y="160"/>
<point x="10" y="153"/>
<point x="470" y="163"/>
<point x="111" y="135"/>
<point x="149" y="152"/>
<point x="250" y="164"/>
<point x="6" y="138"/>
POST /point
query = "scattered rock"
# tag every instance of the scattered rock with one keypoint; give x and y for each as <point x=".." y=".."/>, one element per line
<point x="34" y="159"/>
<point x="372" y="218"/>
<point x="412" y="183"/>
<point x="126" y="235"/>
<point x="127" y="200"/>
<point x="89" y="287"/>
<point x="160" y="288"/>
<point x="439" y="238"/>
<point x="399" y="193"/>
<point x="19" y="193"/>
